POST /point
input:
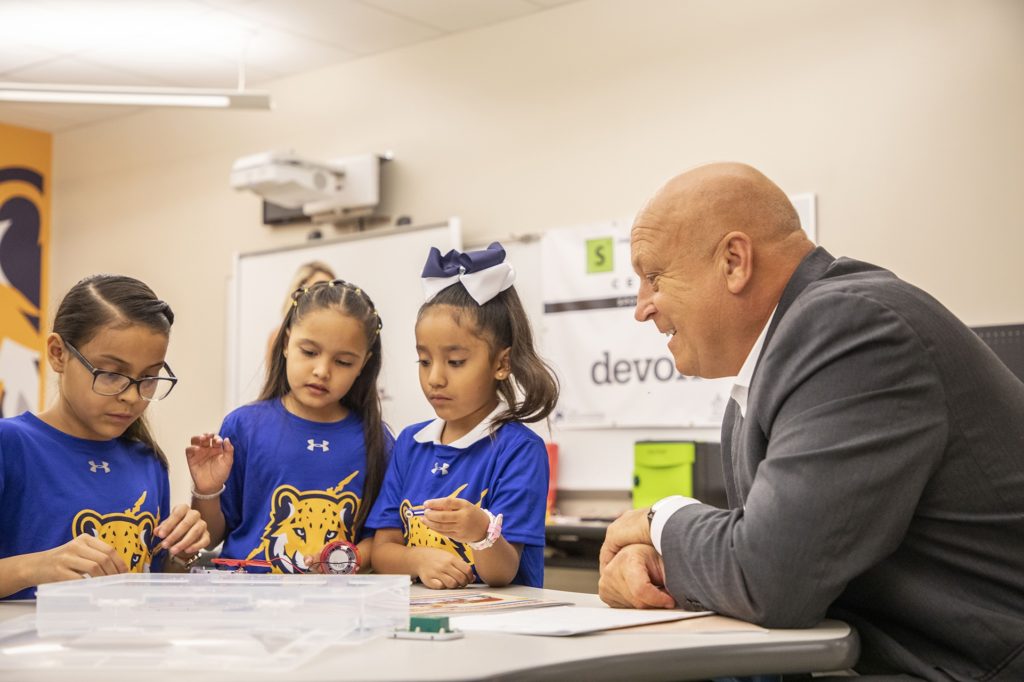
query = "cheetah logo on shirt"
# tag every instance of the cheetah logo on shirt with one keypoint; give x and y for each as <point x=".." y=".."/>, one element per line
<point x="129" y="532"/>
<point x="302" y="522"/>
<point x="417" y="534"/>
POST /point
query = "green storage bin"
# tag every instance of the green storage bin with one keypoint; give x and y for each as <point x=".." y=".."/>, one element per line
<point x="660" y="469"/>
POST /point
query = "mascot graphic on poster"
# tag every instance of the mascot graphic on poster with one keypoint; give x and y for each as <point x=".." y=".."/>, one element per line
<point x="21" y="196"/>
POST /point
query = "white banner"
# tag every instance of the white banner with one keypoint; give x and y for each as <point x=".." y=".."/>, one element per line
<point x="614" y="371"/>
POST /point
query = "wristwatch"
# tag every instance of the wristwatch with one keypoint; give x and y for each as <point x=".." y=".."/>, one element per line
<point x="493" y="533"/>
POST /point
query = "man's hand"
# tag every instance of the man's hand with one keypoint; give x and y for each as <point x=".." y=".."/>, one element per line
<point x="631" y="528"/>
<point x="635" y="578"/>
<point x="439" y="569"/>
<point x="459" y="519"/>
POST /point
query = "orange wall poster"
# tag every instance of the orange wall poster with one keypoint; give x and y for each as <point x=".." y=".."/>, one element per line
<point x="25" y="190"/>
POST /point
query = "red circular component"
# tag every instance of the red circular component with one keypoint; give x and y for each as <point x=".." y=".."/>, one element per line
<point x="340" y="557"/>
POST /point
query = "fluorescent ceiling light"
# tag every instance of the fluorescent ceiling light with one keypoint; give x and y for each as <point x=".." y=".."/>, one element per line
<point x="130" y="96"/>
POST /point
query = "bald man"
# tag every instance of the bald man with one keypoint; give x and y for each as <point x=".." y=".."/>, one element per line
<point x="873" y="448"/>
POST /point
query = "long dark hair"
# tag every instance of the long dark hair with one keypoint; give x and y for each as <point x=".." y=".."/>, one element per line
<point x="503" y="323"/>
<point x="115" y="301"/>
<point x="363" y="398"/>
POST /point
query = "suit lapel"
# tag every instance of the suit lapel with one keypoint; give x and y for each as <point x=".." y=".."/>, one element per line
<point x="811" y="268"/>
<point x="732" y="432"/>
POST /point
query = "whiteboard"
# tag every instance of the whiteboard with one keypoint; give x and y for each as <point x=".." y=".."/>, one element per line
<point x="386" y="263"/>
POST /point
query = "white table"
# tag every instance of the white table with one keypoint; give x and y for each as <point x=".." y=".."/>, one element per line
<point x="691" y="649"/>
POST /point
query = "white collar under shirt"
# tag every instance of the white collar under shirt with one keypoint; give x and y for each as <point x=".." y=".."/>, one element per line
<point x="741" y="385"/>
<point x="431" y="433"/>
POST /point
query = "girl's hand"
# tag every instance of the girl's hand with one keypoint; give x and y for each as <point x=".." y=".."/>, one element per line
<point x="439" y="569"/>
<point x="364" y="548"/>
<point x="313" y="564"/>
<point x="84" y="557"/>
<point x="459" y="519"/>
<point x="184" y="531"/>
<point x="209" y="461"/>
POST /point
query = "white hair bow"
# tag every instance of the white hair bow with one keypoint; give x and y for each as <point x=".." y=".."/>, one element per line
<point x="484" y="273"/>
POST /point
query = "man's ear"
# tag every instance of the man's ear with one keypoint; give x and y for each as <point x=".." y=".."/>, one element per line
<point x="503" y="364"/>
<point x="56" y="354"/>
<point x="737" y="261"/>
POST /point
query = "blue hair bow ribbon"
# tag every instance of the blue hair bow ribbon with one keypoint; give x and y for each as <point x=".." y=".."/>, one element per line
<point x="484" y="273"/>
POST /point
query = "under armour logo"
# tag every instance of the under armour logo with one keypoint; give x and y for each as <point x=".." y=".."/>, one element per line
<point x="313" y="445"/>
<point x="440" y="469"/>
<point x="94" y="467"/>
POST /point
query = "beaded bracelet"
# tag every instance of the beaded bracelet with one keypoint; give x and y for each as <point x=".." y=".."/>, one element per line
<point x="212" y="496"/>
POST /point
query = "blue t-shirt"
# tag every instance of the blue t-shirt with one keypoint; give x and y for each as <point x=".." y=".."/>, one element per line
<point x="55" y="487"/>
<point x="295" y="485"/>
<point x="506" y="474"/>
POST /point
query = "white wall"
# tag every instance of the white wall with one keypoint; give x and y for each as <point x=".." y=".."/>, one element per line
<point x="904" y="118"/>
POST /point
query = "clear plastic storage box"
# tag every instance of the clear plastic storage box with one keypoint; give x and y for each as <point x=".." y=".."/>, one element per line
<point x="201" y="620"/>
<point x="220" y="600"/>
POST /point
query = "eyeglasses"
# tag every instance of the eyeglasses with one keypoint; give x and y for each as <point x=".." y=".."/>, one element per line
<point x="115" y="383"/>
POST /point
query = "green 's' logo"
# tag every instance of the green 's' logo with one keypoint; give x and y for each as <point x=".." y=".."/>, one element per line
<point x="599" y="255"/>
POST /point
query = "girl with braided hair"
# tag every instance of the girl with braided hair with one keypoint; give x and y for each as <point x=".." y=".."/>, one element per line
<point x="294" y="474"/>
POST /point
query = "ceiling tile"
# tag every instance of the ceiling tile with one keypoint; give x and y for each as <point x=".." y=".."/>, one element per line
<point x="456" y="15"/>
<point x="80" y="71"/>
<point x="226" y="3"/>
<point x="341" y="23"/>
<point x="71" y="26"/>
<point x="197" y="43"/>
<point x="551" y="3"/>
<point x="23" y="22"/>
<point x="15" y="56"/>
<point x="55" y="118"/>
<point x="192" y="70"/>
<point x="278" y="53"/>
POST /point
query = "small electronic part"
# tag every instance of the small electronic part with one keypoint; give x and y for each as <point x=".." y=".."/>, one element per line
<point x="337" y="557"/>
<point x="239" y="565"/>
<point x="432" y="628"/>
<point x="340" y="558"/>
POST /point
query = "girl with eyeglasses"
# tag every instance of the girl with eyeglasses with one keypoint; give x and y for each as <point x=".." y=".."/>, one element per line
<point x="289" y="479"/>
<point x="84" y="490"/>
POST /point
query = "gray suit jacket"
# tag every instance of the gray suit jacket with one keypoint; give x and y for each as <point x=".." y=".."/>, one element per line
<point x="877" y="477"/>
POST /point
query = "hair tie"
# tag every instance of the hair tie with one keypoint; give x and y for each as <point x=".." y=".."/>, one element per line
<point x="484" y="274"/>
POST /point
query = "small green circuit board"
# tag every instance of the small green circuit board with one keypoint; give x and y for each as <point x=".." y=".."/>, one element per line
<point x="431" y="628"/>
